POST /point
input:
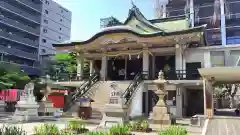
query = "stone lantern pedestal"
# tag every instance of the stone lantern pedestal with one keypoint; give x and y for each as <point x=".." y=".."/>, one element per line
<point x="160" y="116"/>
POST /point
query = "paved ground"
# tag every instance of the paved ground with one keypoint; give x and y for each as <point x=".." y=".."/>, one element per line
<point x="223" y="126"/>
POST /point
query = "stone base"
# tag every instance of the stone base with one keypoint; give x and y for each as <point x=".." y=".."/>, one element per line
<point x="160" y="116"/>
<point x="46" y="108"/>
<point x="113" y="115"/>
<point x="24" y="113"/>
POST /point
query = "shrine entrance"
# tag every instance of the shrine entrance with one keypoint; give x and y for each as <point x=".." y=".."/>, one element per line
<point x="124" y="69"/>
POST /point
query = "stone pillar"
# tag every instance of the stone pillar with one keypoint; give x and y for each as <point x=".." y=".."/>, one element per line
<point x="179" y="102"/>
<point x="104" y="68"/>
<point x="80" y="66"/>
<point x="91" y="66"/>
<point x="223" y="23"/>
<point x="146" y="64"/>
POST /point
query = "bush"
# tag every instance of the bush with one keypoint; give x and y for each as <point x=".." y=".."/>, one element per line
<point x="47" y="129"/>
<point x="174" y="130"/>
<point x="119" y="130"/>
<point x="97" y="133"/>
<point x="76" y="126"/>
<point x="12" y="130"/>
<point x="140" y="126"/>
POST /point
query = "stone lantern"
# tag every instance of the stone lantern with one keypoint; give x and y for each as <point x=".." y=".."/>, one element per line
<point x="160" y="116"/>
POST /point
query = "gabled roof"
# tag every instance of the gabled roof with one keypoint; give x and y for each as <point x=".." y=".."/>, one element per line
<point x="136" y="24"/>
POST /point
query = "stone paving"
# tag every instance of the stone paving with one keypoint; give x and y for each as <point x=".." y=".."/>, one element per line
<point x="223" y="126"/>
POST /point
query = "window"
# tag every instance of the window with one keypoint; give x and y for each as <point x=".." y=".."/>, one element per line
<point x="44" y="40"/>
<point x="61" y="20"/>
<point x="61" y="11"/>
<point x="217" y="58"/>
<point x="45" y="30"/>
<point x="46" y="11"/>
<point x="59" y="37"/>
<point x="60" y="28"/>
<point x="45" y="21"/>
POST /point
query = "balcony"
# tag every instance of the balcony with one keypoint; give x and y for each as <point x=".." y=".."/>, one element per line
<point x="18" y="39"/>
<point x="18" y="25"/>
<point x="37" y="7"/>
<point x="19" y="53"/>
<point x="19" y="12"/>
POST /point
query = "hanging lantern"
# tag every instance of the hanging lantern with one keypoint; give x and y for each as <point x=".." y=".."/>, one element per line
<point x="138" y="57"/>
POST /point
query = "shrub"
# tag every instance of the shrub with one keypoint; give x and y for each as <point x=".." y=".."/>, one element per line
<point x="47" y="129"/>
<point x="76" y="126"/>
<point x="97" y="133"/>
<point x="174" y="130"/>
<point x="140" y="126"/>
<point x="119" y="130"/>
<point x="12" y="130"/>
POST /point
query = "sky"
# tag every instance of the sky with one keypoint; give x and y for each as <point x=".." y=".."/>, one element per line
<point x="86" y="14"/>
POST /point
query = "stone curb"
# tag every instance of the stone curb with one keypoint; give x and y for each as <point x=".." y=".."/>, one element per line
<point x="204" y="130"/>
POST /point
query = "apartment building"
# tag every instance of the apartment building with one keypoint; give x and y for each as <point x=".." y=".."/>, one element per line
<point x="28" y="28"/>
<point x="55" y="27"/>
<point x="20" y="22"/>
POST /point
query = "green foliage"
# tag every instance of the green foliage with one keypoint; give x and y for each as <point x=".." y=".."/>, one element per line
<point x="47" y="129"/>
<point x="11" y="130"/>
<point x="76" y="124"/>
<point x="119" y="130"/>
<point x="141" y="126"/>
<point x="97" y="133"/>
<point x="11" y="76"/>
<point x="64" y="65"/>
<point x="174" y="130"/>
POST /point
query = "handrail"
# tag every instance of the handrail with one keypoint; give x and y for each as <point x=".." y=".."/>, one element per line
<point x="82" y="90"/>
<point x="127" y="94"/>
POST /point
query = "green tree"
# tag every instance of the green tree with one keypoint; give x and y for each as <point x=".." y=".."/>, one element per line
<point x="63" y="65"/>
<point x="12" y="77"/>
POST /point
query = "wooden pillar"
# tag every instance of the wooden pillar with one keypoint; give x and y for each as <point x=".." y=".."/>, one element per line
<point x="91" y="66"/>
<point x="80" y="66"/>
<point x="208" y="98"/>
<point x="104" y="68"/>
<point x="125" y="70"/>
<point x="146" y="64"/>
